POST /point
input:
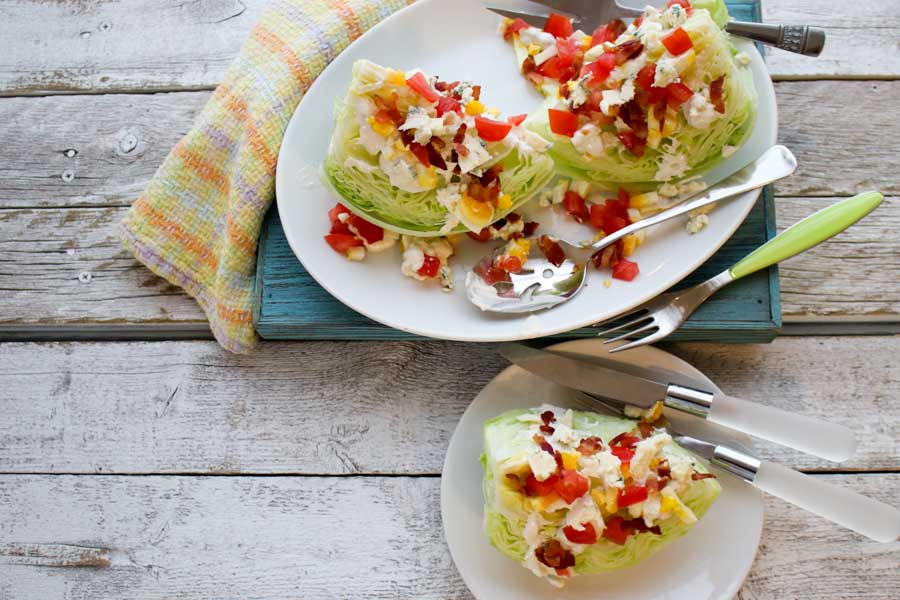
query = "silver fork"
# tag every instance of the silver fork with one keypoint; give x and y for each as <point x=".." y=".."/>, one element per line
<point x="667" y="312"/>
<point x="799" y="39"/>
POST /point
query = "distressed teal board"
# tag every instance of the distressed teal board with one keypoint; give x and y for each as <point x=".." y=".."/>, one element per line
<point x="290" y="305"/>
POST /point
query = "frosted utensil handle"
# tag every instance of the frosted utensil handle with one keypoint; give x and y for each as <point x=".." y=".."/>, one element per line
<point x="828" y="440"/>
<point x="871" y="518"/>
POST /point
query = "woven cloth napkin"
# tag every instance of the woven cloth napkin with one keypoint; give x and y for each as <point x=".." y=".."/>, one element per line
<point x="198" y="222"/>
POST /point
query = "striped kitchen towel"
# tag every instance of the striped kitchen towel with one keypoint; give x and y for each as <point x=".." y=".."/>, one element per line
<point x="198" y="222"/>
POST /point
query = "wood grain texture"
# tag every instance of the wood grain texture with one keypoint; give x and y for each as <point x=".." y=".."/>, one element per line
<point x="361" y="407"/>
<point x="93" y="46"/>
<point x="862" y="39"/>
<point x="190" y="537"/>
<point x="840" y="151"/>
<point x="90" y="46"/>
<point x="855" y="276"/>
<point x="67" y="266"/>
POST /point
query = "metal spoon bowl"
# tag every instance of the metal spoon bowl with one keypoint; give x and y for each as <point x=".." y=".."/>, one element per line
<point x="542" y="285"/>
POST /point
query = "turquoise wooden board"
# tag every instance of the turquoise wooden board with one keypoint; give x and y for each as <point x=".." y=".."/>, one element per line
<point x="290" y="305"/>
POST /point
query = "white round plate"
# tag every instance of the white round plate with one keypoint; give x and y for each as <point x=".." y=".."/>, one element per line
<point x="710" y="562"/>
<point x="459" y="40"/>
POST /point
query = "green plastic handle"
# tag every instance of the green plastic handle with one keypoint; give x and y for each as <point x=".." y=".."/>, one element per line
<point x="811" y="231"/>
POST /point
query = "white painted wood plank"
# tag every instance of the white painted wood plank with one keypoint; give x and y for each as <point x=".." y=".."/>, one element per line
<point x="68" y="267"/>
<point x="44" y="251"/>
<point x="362" y="407"/>
<point x="861" y="42"/>
<point x="344" y="538"/>
<point x="120" y="140"/>
<point x="81" y="46"/>
<point x="85" y="46"/>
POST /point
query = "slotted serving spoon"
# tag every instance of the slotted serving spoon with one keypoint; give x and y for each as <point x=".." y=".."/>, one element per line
<point x="542" y="285"/>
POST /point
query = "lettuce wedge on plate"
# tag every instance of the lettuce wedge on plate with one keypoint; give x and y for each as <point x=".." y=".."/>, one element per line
<point x="569" y="492"/>
<point x="643" y="104"/>
<point x="423" y="157"/>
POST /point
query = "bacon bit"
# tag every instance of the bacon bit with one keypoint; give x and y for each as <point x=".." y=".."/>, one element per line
<point x="547" y="429"/>
<point x="544" y="444"/>
<point x="695" y="476"/>
<point x="491" y="175"/>
<point x="530" y="227"/>
<point x="559" y="462"/>
<point x="435" y="157"/>
<point x="552" y="554"/>
<point x="655" y="484"/>
<point x="646" y="429"/>
<point x="388" y="109"/>
<point x="663" y="469"/>
<point x="552" y="251"/>
<point x="513" y="217"/>
<point x="476" y="92"/>
<point x="528" y="65"/>
<point x="461" y="150"/>
<point x="548" y="417"/>
<point x="590" y="446"/>
<point x="406" y="137"/>
<point x="716" y="94"/>
<point x="628" y="50"/>
<point x="460" y="135"/>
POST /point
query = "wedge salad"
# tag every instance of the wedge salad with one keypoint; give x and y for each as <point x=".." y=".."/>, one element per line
<point x="661" y="99"/>
<point x="633" y="114"/>
<point x="569" y="492"/>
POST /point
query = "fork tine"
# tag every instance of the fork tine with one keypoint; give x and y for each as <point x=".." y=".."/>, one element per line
<point x="628" y="334"/>
<point x="634" y="321"/>
<point x="653" y="337"/>
<point x="535" y="20"/>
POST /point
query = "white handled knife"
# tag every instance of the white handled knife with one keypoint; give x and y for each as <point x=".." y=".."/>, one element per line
<point x="819" y="438"/>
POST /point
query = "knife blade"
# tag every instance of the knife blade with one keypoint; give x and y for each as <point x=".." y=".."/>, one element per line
<point x="827" y="440"/>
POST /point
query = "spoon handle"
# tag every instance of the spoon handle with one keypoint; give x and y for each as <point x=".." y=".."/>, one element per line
<point x="776" y="163"/>
<point x="809" y="232"/>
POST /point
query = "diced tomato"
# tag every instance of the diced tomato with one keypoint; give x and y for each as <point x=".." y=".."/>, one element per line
<point x="514" y="27"/>
<point x="625" y="270"/>
<point x="489" y="273"/>
<point x="639" y="20"/>
<point x="634" y="144"/>
<point x="657" y="96"/>
<point x="608" y="33"/>
<point x="482" y="236"/>
<point x="517" y="120"/>
<point x="632" y="494"/>
<point x="575" y="206"/>
<point x="368" y="231"/>
<point x="606" y="217"/>
<point x="490" y="130"/>
<point x="334" y="215"/>
<point x="552" y="251"/>
<point x="587" y="536"/>
<point x="341" y="228"/>
<point x="572" y="485"/>
<point x="430" y="267"/>
<point x="510" y="264"/>
<point x="716" y="94"/>
<point x="688" y="9"/>
<point x="646" y="76"/>
<point x="563" y="122"/>
<point x="558" y="25"/>
<point x="420" y="85"/>
<point x="566" y="51"/>
<point x="614" y="531"/>
<point x="624" y="200"/>
<point x="678" y="42"/>
<point x="600" y="69"/>
<point x="677" y="94"/>
<point x="556" y="68"/>
<point x="341" y="242"/>
<point x="623" y="454"/>
<point x="533" y="487"/>
<point x="625" y="440"/>
<point x="447" y="104"/>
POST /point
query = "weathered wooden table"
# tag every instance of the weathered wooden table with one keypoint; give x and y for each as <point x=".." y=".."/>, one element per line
<point x="152" y="464"/>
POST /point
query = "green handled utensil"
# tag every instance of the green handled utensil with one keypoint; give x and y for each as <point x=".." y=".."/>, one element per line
<point x="664" y="314"/>
<point x="811" y="231"/>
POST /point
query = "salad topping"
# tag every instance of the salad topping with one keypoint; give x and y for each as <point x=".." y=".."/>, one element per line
<point x="583" y="490"/>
